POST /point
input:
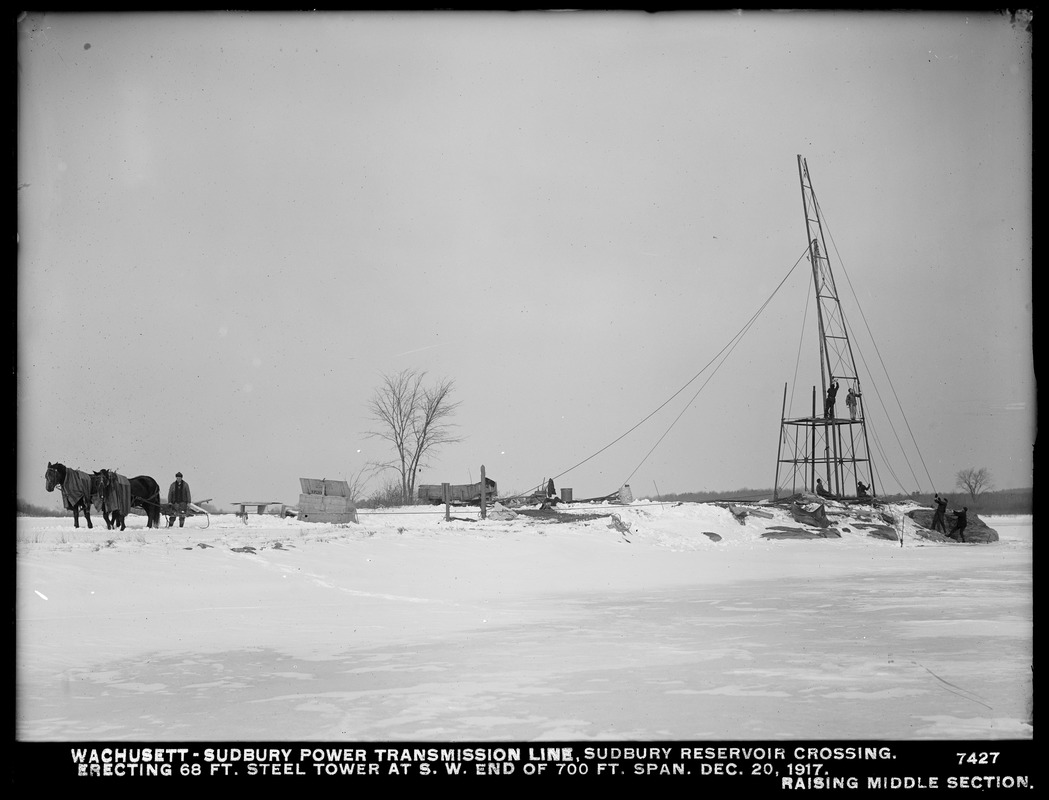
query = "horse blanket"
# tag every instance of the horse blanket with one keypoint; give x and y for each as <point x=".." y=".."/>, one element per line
<point x="118" y="496"/>
<point x="76" y="487"/>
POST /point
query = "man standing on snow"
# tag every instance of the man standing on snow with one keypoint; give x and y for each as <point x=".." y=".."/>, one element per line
<point x="179" y="498"/>
<point x="960" y="521"/>
<point x="941" y="513"/>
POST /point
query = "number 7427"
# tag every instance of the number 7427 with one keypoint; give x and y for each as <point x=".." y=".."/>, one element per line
<point x="977" y="758"/>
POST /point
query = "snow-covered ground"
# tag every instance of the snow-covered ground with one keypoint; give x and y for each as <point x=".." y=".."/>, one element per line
<point x="408" y="627"/>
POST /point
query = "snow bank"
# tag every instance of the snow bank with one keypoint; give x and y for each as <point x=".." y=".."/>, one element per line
<point x="633" y="624"/>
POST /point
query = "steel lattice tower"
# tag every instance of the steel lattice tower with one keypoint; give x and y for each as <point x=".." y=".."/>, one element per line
<point x="830" y="446"/>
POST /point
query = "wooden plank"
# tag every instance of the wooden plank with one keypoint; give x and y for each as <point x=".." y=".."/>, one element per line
<point x="324" y="487"/>
<point x="456" y="492"/>
<point x="318" y="502"/>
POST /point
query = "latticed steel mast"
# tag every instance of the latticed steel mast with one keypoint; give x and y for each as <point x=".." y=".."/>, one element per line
<point x="828" y="445"/>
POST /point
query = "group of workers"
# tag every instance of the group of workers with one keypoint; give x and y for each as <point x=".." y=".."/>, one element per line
<point x="957" y="532"/>
<point x="861" y="489"/>
<point x="939" y="518"/>
<point x="851" y="400"/>
<point x="960" y="519"/>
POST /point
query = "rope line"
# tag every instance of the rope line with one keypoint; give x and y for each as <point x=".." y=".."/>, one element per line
<point x="733" y="343"/>
<point x="801" y="341"/>
<point x="722" y="355"/>
<point x="728" y="347"/>
<point x="888" y="378"/>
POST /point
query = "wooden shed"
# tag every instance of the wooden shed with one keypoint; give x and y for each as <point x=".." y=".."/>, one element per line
<point x="325" y="501"/>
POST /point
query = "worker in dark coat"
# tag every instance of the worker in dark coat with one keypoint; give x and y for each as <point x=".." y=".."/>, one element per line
<point x="960" y="521"/>
<point x="832" y="394"/>
<point x="938" y="519"/>
<point x="820" y="490"/>
<point x="861" y="489"/>
<point x="179" y="498"/>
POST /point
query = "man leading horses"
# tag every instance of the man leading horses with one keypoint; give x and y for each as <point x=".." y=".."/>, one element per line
<point x="179" y="498"/>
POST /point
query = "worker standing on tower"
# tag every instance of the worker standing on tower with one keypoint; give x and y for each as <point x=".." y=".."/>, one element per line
<point x="850" y="401"/>
<point x="832" y="393"/>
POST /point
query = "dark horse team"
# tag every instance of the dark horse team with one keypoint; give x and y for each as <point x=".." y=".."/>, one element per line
<point x="114" y="494"/>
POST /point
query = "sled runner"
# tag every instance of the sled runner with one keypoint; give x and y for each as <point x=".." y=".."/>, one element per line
<point x="192" y="510"/>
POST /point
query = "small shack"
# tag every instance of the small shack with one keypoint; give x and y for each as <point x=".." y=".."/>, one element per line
<point x="325" y="501"/>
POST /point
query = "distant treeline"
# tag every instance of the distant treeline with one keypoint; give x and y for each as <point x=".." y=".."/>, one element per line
<point x="24" y="509"/>
<point x="742" y="495"/>
<point x="999" y="501"/>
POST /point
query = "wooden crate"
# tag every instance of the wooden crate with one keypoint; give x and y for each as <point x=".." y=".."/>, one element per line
<point x="325" y="501"/>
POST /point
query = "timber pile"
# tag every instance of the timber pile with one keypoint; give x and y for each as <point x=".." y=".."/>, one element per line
<point x="788" y="532"/>
<point x="552" y="515"/>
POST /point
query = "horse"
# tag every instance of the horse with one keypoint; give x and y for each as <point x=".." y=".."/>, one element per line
<point x="78" y="488"/>
<point x="114" y="499"/>
<point x="145" y="494"/>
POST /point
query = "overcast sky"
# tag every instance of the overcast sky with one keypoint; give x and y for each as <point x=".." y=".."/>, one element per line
<point x="231" y="226"/>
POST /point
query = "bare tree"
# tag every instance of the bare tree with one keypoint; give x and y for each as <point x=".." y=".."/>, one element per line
<point x="387" y="495"/>
<point x="974" y="481"/>
<point x="413" y="418"/>
<point x="357" y="482"/>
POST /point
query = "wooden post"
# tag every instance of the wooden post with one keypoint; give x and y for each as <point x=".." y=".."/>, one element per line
<point x="447" y="510"/>
<point x="812" y="479"/>
<point x="484" y="491"/>
<point x="782" y="417"/>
